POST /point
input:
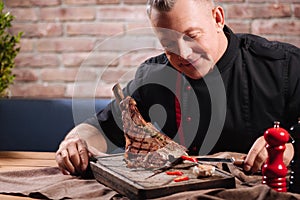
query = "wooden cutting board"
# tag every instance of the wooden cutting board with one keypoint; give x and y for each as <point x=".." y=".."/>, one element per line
<point x="133" y="183"/>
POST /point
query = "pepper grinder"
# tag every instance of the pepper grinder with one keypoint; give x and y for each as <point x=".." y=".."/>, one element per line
<point x="274" y="171"/>
<point x="294" y="185"/>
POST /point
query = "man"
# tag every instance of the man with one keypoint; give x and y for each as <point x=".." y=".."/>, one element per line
<point x="209" y="82"/>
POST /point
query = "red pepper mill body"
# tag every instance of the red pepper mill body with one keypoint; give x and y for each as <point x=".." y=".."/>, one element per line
<point x="274" y="171"/>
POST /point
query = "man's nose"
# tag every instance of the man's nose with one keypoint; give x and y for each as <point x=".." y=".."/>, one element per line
<point x="184" y="50"/>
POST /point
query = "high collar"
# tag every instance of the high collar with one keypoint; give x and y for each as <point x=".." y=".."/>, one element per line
<point x="231" y="51"/>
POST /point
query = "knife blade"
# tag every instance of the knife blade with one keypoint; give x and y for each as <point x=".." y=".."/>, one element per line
<point x="235" y="161"/>
<point x="222" y="160"/>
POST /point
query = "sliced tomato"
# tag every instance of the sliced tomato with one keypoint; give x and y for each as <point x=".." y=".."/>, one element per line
<point x="189" y="158"/>
<point x="181" y="178"/>
<point x="177" y="173"/>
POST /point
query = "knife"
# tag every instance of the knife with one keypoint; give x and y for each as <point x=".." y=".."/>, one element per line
<point x="197" y="159"/>
<point x="222" y="160"/>
<point x="200" y="159"/>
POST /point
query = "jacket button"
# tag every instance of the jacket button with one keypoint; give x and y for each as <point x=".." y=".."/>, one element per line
<point x="188" y="87"/>
<point x="188" y="119"/>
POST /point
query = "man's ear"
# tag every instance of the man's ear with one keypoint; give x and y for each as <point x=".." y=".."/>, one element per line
<point x="219" y="17"/>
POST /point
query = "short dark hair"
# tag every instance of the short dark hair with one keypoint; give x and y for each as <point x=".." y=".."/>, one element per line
<point x="160" y="5"/>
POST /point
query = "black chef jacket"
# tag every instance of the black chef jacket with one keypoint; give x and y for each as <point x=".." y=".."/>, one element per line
<point x="255" y="83"/>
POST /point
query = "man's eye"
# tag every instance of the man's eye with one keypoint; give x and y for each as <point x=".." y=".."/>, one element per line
<point x="188" y="38"/>
<point x="192" y="36"/>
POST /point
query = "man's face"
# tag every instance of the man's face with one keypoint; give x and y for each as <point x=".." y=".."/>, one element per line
<point x="190" y="35"/>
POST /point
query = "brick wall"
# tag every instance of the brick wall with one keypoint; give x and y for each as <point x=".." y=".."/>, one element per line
<point x="80" y="48"/>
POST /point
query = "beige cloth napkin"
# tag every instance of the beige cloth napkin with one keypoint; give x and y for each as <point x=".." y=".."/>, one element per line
<point x="51" y="183"/>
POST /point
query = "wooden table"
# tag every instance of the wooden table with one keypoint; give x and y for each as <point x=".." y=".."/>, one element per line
<point x="16" y="160"/>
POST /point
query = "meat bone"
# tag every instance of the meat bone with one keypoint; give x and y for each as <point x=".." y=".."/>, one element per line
<point x="117" y="90"/>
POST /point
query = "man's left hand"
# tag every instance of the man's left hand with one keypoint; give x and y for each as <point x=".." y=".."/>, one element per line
<point x="258" y="155"/>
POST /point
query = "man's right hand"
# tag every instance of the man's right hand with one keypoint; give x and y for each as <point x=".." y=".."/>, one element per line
<point x="72" y="156"/>
<point x="79" y="145"/>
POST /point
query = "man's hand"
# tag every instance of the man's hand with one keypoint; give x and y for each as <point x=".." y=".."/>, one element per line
<point x="258" y="155"/>
<point x="79" y="145"/>
<point x="72" y="156"/>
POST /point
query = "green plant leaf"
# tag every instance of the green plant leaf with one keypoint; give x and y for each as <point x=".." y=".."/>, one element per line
<point x="9" y="49"/>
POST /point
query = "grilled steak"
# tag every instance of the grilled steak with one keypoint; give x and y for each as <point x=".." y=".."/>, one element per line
<point x="146" y="146"/>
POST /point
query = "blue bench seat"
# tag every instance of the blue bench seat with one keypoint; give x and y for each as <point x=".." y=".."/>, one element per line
<point x="41" y="124"/>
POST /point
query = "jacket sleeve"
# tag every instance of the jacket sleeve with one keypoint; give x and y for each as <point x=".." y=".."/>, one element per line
<point x="293" y="90"/>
